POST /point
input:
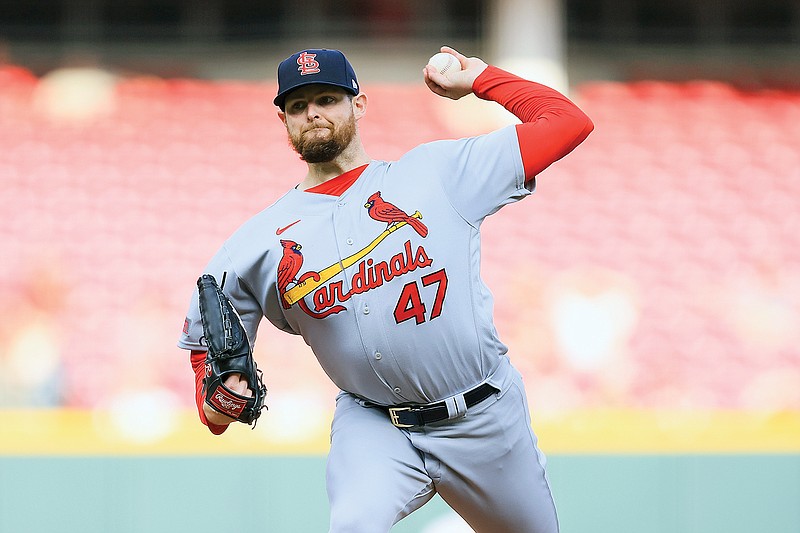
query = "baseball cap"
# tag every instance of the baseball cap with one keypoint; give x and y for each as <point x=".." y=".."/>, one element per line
<point x="330" y="67"/>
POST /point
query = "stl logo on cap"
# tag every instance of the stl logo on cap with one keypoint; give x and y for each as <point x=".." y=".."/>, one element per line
<point x="308" y="65"/>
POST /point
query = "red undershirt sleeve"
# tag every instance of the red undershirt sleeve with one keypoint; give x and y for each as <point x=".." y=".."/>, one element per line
<point x="198" y="360"/>
<point x="552" y="126"/>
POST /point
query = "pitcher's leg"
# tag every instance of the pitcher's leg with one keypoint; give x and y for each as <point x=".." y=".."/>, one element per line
<point x="375" y="476"/>
<point x="498" y="481"/>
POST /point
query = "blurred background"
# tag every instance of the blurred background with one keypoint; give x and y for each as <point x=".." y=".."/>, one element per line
<point x="649" y="291"/>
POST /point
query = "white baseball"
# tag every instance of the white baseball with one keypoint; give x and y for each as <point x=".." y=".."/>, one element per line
<point x="444" y="62"/>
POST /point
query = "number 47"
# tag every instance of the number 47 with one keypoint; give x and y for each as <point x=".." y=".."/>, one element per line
<point x="410" y="304"/>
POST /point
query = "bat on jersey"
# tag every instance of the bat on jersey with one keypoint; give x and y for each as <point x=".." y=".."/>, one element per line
<point x="311" y="281"/>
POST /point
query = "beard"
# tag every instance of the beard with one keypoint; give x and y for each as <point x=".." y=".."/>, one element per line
<point x="315" y="150"/>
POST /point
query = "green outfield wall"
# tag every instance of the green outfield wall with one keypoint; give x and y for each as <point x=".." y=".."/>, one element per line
<point x="681" y="493"/>
<point x="612" y="471"/>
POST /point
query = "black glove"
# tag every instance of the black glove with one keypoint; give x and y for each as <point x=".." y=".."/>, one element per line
<point x="228" y="353"/>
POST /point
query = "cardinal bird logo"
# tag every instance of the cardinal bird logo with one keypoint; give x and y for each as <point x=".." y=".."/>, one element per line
<point x="319" y="296"/>
<point x="383" y="211"/>
<point x="289" y="266"/>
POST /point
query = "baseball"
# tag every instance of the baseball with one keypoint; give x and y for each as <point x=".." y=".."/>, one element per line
<point x="444" y="62"/>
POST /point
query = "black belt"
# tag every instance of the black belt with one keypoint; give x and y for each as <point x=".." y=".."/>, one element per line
<point x="410" y="416"/>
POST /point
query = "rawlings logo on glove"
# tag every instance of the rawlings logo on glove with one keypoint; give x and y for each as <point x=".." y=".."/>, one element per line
<point x="232" y="407"/>
<point x="228" y="353"/>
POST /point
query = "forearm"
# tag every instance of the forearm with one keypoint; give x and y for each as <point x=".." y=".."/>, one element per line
<point x="552" y="126"/>
<point x="197" y="360"/>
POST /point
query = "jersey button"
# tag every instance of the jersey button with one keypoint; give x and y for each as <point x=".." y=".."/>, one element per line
<point x="378" y="355"/>
<point x="366" y="309"/>
<point x="350" y="241"/>
<point x="397" y="390"/>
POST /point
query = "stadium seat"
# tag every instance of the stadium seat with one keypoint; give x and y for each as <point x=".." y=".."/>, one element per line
<point x="690" y="192"/>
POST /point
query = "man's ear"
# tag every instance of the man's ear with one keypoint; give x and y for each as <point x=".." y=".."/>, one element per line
<point x="359" y="105"/>
<point x="282" y="116"/>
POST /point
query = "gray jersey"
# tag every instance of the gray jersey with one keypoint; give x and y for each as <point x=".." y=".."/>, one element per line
<point x="383" y="282"/>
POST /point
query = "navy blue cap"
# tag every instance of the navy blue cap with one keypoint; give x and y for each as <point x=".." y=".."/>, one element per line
<point x="315" y="66"/>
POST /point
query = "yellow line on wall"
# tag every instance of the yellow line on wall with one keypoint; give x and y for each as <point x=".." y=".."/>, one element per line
<point x="633" y="431"/>
<point x="75" y="432"/>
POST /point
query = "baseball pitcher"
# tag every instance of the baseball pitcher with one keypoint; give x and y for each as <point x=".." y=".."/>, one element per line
<point x="377" y="265"/>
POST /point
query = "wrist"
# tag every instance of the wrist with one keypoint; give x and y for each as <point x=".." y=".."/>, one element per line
<point x="489" y="79"/>
<point x="215" y="418"/>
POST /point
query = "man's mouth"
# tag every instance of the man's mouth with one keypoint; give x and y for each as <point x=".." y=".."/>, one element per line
<point x="316" y="128"/>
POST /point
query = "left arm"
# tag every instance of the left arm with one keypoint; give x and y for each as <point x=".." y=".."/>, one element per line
<point x="216" y="422"/>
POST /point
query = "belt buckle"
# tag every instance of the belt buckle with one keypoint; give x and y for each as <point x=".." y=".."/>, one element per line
<point x="395" y="418"/>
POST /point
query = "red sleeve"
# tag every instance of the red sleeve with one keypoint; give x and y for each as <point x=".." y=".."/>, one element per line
<point x="552" y="126"/>
<point x="198" y="360"/>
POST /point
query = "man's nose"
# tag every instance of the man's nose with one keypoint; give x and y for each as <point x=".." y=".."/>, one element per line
<point x="312" y="111"/>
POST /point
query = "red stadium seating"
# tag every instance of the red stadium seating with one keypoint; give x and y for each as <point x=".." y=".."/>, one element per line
<point x="683" y="205"/>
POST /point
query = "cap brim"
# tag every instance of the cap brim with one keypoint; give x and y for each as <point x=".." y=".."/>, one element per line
<point x="280" y="99"/>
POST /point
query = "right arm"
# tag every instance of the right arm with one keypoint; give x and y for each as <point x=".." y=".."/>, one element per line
<point x="552" y="125"/>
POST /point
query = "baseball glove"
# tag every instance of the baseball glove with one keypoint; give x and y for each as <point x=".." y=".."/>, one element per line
<point x="228" y="353"/>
